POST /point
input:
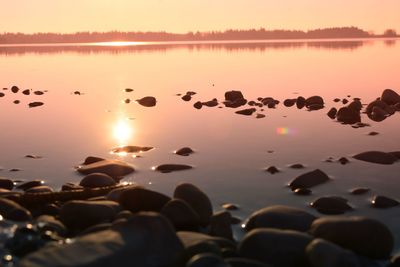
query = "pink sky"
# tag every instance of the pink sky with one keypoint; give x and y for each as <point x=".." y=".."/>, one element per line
<point x="191" y="15"/>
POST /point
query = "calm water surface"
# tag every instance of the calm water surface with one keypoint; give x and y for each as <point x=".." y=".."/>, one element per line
<point x="231" y="150"/>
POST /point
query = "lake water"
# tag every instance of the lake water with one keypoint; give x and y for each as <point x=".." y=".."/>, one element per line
<point x="232" y="150"/>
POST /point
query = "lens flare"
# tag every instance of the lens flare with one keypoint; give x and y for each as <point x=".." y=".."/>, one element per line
<point x="285" y="131"/>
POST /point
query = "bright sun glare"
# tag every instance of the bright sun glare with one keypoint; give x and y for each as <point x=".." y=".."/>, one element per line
<point x="122" y="131"/>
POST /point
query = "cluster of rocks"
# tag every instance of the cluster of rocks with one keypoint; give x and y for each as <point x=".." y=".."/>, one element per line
<point x="104" y="223"/>
<point x="15" y="90"/>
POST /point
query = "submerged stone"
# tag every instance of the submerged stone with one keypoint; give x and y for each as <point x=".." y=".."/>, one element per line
<point x="132" y="149"/>
<point x="166" y="168"/>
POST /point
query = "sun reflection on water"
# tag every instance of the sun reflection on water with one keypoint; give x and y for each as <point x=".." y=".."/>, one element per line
<point x="123" y="132"/>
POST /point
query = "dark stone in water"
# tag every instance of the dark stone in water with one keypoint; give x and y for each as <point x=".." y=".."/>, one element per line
<point x="38" y="93"/>
<point x="181" y="214"/>
<point x="302" y="191"/>
<point x="184" y="151"/>
<point x="297" y="166"/>
<point x="360" y="191"/>
<point x="14" y="89"/>
<point x="373" y="133"/>
<point x="376" y="157"/>
<point x="220" y="225"/>
<point x="128" y="90"/>
<point x="309" y="179"/>
<point x="272" y="170"/>
<point x="345" y="101"/>
<point x="14" y="170"/>
<point x="148" y="101"/>
<point x="211" y="103"/>
<point x="16" y="102"/>
<point x="289" y="102"/>
<point x="383" y="202"/>
<point x="331" y="205"/>
<point x="390" y="97"/>
<point x="336" y="100"/>
<point x="35" y="104"/>
<point x="127" y="101"/>
<point x="132" y="149"/>
<point x="114" y="168"/>
<point x="396" y="154"/>
<point x="300" y="102"/>
<point x="71" y="187"/>
<point x="40" y="189"/>
<point x="6" y="183"/>
<point x="2" y="94"/>
<point x="26" y="92"/>
<point x="230" y="206"/>
<point x="198" y="105"/>
<point x="343" y="160"/>
<point x="91" y="159"/>
<point x="77" y="93"/>
<point x="315" y="107"/>
<point x="32" y="156"/>
<point x="94" y="180"/>
<point x="13" y="211"/>
<point x="166" y="168"/>
<point x="25" y="186"/>
<point x="186" y="97"/>
<point x="364" y="236"/>
<point x="260" y="116"/>
<point x="355" y="105"/>
<point x="191" y="93"/>
<point x="314" y="100"/>
<point x="140" y="199"/>
<point x="246" y="112"/>
<point x="232" y="96"/>
<point x="347" y="115"/>
<point x="235" y="104"/>
<point x="332" y="113"/>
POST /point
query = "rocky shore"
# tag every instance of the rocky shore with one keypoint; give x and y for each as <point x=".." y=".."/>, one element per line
<point x="104" y="222"/>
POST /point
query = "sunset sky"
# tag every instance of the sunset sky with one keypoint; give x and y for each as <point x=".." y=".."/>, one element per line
<point x="191" y="15"/>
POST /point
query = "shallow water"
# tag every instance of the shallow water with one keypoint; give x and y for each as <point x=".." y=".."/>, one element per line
<point x="231" y="150"/>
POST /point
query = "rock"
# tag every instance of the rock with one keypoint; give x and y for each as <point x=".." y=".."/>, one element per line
<point x="315" y="107"/>
<point x="260" y="116"/>
<point x="96" y="228"/>
<point x="71" y="187"/>
<point x="345" y="101"/>
<point x="347" y="115"/>
<point x="272" y="170"/>
<point x="364" y="236"/>
<point x="359" y="191"/>
<point x="2" y="94"/>
<point x="395" y="261"/>
<point x="146" y="240"/>
<point x="140" y="199"/>
<point x="283" y="248"/>
<point x="331" y="205"/>
<point x="39" y="189"/>
<point x="50" y="209"/>
<point x="302" y="191"/>
<point x="390" y="97"/>
<point x="383" y="202"/>
<point x="197" y="199"/>
<point x="91" y="159"/>
<point x="38" y="93"/>
<point x="16" y="101"/>
<point x="343" y="160"/>
<point x="50" y="223"/>
<point x="300" y="102"/>
<point x="396" y="154"/>
<point x="26" y="185"/>
<point x="314" y="100"/>
<point x="211" y="103"/>
<point x="127" y="101"/>
<point x="289" y="102"/>
<point x="128" y="90"/>
<point x="220" y="225"/>
<point x="376" y="157"/>
<point x="355" y="105"/>
<point x="186" y="97"/>
<point x="378" y="114"/>
<point x="26" y="92"/>
<point x="271" y="104"/>
<point x="14" y="89"/>
<point x="232" y="96"/>
<point x="296" y="166"/>
<point x="115" y="194"/>
<point x="243" y="262"/>
<point x="184" y="151"/>
<point x="132" y="149"/>
<point x="230" y="206"/>
<point x="11" y="210"/>
<point x="309" y="179"/>
<point x="322" y="253"/>
<point x="206" y="260"/>
<point x="114" y="168"/>
<point x="190" y="239"/>
<point x="32" y="156"/>
<point x="235" y="104"/>
<point x="198" y="105"/>
<point x="35" y="104"/>
<point x="94" y="180"/>
<point x="332" y="113"/>
<point x="167" y="168"/>
<point x="148" y="101"/>
<point x="246" y="112"/>
<point x="6" y="183"/>
<point x="280" y="217"/>
<point x="373" y="133"/>
<point x="181" y="215"/>
<point x="80" y="214"/>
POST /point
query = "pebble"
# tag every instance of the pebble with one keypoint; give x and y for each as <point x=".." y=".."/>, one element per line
<point x="128" y="90"/>
<point x="16" y="102"/>
<point x="13" y="211"/>
<point x="184" y="151"/>
<point x="359" y="191"/>
<point x="246" y="112"/>
<point x="167" y="168"/>
<point x="302" y="191"/>
<point x="131" y="149"/>
<point x="373" y="133"/>
<point x="14" y="89"/>
<point x="198" y="105"/>
<point x="230" y="206"/>
<point x="331" y="205"/>
<point x="272" y="170"/>
<point x="296" y="166"/>
<point x="309" y="179"/>
<point x="35" y="104"/>
<point x="38" y="92"/>
<point x="26" y="92"/>
<point x="377" y="157"/>
<point x="27" y="185"/>
<point x="181" y="215"/>
<point x="6" y="183"/>
<point x="343" y="161"/>
<point x="137" y="199"/>
<point x="383" y="202"/>
<point x="148" y="101"/>
<point x="332" y="113"/>
<point x="260" y="116"/>
<point x="39" y="189"/>
<point x="114" y="168"/>
<point x="94" y="180"/>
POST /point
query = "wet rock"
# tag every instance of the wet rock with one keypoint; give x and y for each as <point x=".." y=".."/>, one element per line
<point x="71" y="187"/>
<point x="50" y="209"/>
<point x="296" y="166"/>
<point x="184" y="151"/>
<point x="167" y="168"/>
<point x="359" y="191"/>
<point x="206" y="260"/>
<point x="197" y="199"/>
<point x="211" y="103"/>
<point x="50" y="223"/>
<point x="300" y="102"/>
<point x="236" y="220"/>
<point x="309" y="179"/>
<point x="331" y="205"/>
<point x="332" y="113"/>
<point x="186" y="97"/>
<point x="190" y="239"/>
<point x="280" y="217"/>
<point x="132" y="149"/>
<point x="271" y="104"/>
<point x="230" y="206"/>
<point x="345" y="101"/>
<point x="198" y="105"/>
<point x="14" y="89"/>
<point x="79" y="214"/>
<point x="322" y="253"/>
<point x="383" y="202"/>
<point x="260" y="116"/>
<point x="373" y="133"/>
<point x="13" y="211"/>
<point x="243" y="262"/>
<point x="315" y="107"/>
<point x="94" y="180"/>
<point x="6" y="183"/>
<point x="220" y="225"/>
<point x="29" y="156"/>
<point x="77" y="93"/>
<point x="272" y="170"/>
<point x="38" y="93"/>
<point x="302" y="191"/>
<point x="115" y="194"/>
<point x="2" y="94"/>
<point x="347" y="115"/>
<point x="232" y="96"/>
<point x="246" y="112"/>
<point x="376" y="157"/>
<point x="314" y="100"/>
<point x="127" y="101"/>
<point x="396" y="154"/>
<point x="35" y="104"/>
<point x="125" y="214"/>
<point x="390" y="97"/>
<point x="128" y="90"/>
<point x="364" y="236"/>
<point x="114" y="168"/>
<point x="235" y="104"/>
<point x="95" y="228"/>
<point x="140" y="199"/>
<point x="39" y="189"/>
<point x="148" y="101"/>
<point x="16" y="102"/>
<point x="26" y="92"/>
<point x="289" y="102"/>
<point x="283" y="248"/>
<point x="146" y="240"/>
<point x="26" y="185"/>
<point x="378" y="114"/>
<point x="343" y="161"/>
<point x="181" y="215"/>
<point x="355" y="105"/>
<point x="91" y="159"/>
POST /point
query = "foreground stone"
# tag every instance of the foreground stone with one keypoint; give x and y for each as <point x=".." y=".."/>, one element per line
<point x="114" y="168"/>
<point x="181" y="215"/>
<point x="309" y="179"/>
<point x="94" y="180"/>
<point x="331" y="205"/>
<point x="145" y="240"/>
<point x="280" y="217"/>
<point x="363" y="236"/>
<point x="13" y="211"/>
<point x="140" y="199"/>
<point x="283" y="248"/>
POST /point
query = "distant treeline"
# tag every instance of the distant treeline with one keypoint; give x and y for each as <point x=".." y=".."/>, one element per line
<point x="253" y="34"/>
